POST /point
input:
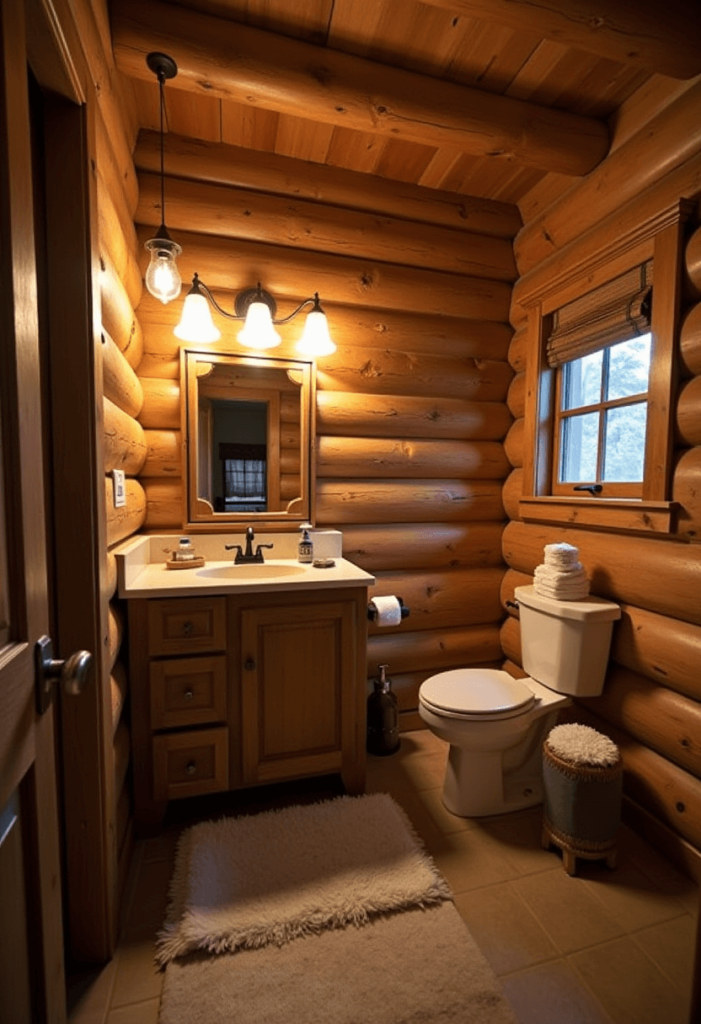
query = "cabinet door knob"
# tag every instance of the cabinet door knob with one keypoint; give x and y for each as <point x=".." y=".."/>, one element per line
<point x="189" y="694"/>
<point x="191" y="768"/>
<point x="249" y="664"/>
<point x="188" y="628"/>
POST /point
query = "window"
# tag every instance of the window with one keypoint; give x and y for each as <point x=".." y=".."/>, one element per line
<point x="601" y="420"/>
<point x="600" y="381"/>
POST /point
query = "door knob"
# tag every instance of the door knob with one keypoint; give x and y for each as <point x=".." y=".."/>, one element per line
<point x="71" y="674"/>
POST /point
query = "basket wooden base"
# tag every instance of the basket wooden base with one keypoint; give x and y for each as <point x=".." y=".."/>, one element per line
<point x="573" y="848"/>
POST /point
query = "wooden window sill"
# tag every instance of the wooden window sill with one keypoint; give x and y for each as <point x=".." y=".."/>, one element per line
<point x="628" y="515"/>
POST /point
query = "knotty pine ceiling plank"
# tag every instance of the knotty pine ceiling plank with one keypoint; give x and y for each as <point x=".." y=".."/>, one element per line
<point x="308" y="19"/>
<point x="250" y="127"/>
<point x="303" y="139"/>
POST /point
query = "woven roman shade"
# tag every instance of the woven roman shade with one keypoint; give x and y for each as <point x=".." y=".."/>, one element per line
<point x="616" y="311"/>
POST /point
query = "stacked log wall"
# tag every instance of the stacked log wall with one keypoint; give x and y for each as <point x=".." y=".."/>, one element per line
<point x="120" y="286"/>
<point x="651" y="704"/>
<point x="412" y="407"/>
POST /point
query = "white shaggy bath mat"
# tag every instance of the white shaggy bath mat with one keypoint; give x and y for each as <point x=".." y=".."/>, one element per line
<point x="417" y="967"/>
<point x="244" y="883"/>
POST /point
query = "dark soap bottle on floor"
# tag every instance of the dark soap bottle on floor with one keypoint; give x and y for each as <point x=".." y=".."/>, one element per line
<point x="383" y="717"/>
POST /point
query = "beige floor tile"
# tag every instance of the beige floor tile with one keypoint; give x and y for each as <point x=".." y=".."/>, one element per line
<point x="664" y="874"/>
<point x="671" y="946"/>
<point x="552" y="994"/>
<point x="136" y="1013"/>
<point x="504" y="928"/>
<point x="520" y="837"/>
<point x="629" y="985"/>
<point x="630" y="897"/>
<point x="137" y="978"/>
<point x="442" y="818"/>
<point x="150" y="897"/>
<point x="470" y="860"/>
<point x="569" y="913"/>
<point x="88" y="995"/>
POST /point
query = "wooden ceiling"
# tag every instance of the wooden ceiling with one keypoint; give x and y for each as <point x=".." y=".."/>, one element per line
<point x="489" y="98"/>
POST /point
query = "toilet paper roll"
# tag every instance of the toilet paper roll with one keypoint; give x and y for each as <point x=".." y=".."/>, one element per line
<point x="387" y="611"/>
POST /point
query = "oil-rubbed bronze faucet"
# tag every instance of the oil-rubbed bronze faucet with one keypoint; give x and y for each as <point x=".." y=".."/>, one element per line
<point x="248" y="557"/>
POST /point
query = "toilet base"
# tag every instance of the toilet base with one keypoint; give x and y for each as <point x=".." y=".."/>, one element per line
<point x="476" y="785"/>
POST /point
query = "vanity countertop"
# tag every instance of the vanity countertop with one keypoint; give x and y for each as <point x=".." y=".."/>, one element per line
<point x="142" y="570"/>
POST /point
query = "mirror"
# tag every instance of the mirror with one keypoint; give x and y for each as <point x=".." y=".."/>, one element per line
<point x="248" y="425"/>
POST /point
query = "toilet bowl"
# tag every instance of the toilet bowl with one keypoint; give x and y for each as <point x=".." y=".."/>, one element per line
<point x="496" y="724"/>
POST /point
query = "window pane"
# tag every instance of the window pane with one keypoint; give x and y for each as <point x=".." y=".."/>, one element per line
<point x="629" y="368"/>
<point x="624" y="448"/>
<point x="579" y="444"/>
<point x="581" y="381"/>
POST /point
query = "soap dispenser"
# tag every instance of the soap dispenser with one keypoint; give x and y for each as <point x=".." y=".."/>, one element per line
<point x="305" y="548"/>
<point x="383" y="717"/>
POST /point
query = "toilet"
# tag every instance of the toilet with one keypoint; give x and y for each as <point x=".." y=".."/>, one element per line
<point x="496" y="724"/>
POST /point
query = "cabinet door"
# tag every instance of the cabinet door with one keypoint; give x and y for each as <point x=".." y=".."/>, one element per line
<point x="298" y="690"/>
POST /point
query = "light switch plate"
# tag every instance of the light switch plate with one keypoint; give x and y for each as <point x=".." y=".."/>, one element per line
<point x="120" y="493"/>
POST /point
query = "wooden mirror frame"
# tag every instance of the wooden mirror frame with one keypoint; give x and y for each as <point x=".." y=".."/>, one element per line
<point x="198" y="512"/>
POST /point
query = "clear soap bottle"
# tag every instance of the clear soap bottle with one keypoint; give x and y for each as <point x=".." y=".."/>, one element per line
<point x="305" y="548"/>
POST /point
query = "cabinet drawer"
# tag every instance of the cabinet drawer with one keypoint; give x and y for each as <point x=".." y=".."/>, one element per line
<point x="187" y="625"/>
<point x="190" y="763"/>
<point x="188" y="691"/>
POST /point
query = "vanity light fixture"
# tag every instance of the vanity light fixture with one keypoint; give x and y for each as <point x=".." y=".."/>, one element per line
<point x="257" y="308"/>
<point x="162" y="277"/>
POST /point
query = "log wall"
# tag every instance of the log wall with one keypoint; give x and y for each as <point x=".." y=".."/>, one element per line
<point x="412" y="408"/>
<point x="124" y="446"/>
<point x="651" y="704"/>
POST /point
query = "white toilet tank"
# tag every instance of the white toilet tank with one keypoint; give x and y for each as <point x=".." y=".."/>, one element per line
<point x="565" y="644"/>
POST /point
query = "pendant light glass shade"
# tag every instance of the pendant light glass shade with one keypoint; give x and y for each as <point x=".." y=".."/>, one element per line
<point x="196" y="322"/>
<point x="162" y="276"/>
<point x="258" y="330"/>
<point x="316" y="340"/>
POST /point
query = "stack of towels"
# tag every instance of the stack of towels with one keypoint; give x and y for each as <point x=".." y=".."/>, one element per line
<point x="562" y="575"/>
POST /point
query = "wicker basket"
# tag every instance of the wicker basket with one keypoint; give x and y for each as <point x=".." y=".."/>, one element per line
<point x="581" y="808"/>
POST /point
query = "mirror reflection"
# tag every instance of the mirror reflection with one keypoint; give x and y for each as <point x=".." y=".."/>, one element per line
<point x="248" y="438"/>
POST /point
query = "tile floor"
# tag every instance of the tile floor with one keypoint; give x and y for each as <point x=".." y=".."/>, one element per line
<point x="604" y="947"/>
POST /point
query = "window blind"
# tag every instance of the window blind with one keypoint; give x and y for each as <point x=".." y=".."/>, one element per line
<point x="616" y="311"/>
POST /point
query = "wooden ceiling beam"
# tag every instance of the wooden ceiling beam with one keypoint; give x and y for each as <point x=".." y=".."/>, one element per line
<point x="663" y="38"/>
<point x="237" y="167"/>
<point x="217" y="57"/>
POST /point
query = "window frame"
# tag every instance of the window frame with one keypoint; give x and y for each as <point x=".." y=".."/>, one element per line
<point x="660" y="239"/>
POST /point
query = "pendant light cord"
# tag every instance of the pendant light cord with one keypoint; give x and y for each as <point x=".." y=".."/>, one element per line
<point x="161" y="82"/>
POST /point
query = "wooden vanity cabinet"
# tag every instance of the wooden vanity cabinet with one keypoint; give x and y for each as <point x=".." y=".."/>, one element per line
<point x="240" y="691"/>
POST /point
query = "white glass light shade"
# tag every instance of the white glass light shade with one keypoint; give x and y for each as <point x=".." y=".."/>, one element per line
<point x="258" y="330"/>
<point x="162" y="276"/>
<point x="196" y="322"/>
<point x="316" y="340"/>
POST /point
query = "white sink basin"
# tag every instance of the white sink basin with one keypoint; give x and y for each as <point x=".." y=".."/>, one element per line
<point x="266" y="571"/>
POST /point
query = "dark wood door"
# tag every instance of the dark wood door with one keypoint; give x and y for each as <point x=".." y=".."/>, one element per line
<point x="31" y="939"/>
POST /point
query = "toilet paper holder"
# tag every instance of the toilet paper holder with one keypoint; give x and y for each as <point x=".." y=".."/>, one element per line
<point x="372" y="612"/>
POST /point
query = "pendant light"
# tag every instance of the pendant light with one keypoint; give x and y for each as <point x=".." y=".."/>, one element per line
<point x="162" y="277"/>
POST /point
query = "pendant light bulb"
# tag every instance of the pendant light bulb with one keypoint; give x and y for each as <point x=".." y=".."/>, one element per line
<point x="162" y="276"/>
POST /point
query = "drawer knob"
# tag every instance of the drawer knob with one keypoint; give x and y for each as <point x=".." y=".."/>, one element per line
<point x="191" y="768"/>
<point x="188" y="628"/>
<point x="189" y="694"/>
<point x="249" y="664"/>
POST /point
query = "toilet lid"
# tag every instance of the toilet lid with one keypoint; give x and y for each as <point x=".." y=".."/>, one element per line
<point x="477" y="693"/>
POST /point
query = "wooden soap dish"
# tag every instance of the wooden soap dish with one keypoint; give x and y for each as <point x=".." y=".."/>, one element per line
<point x="186" y="563"/>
